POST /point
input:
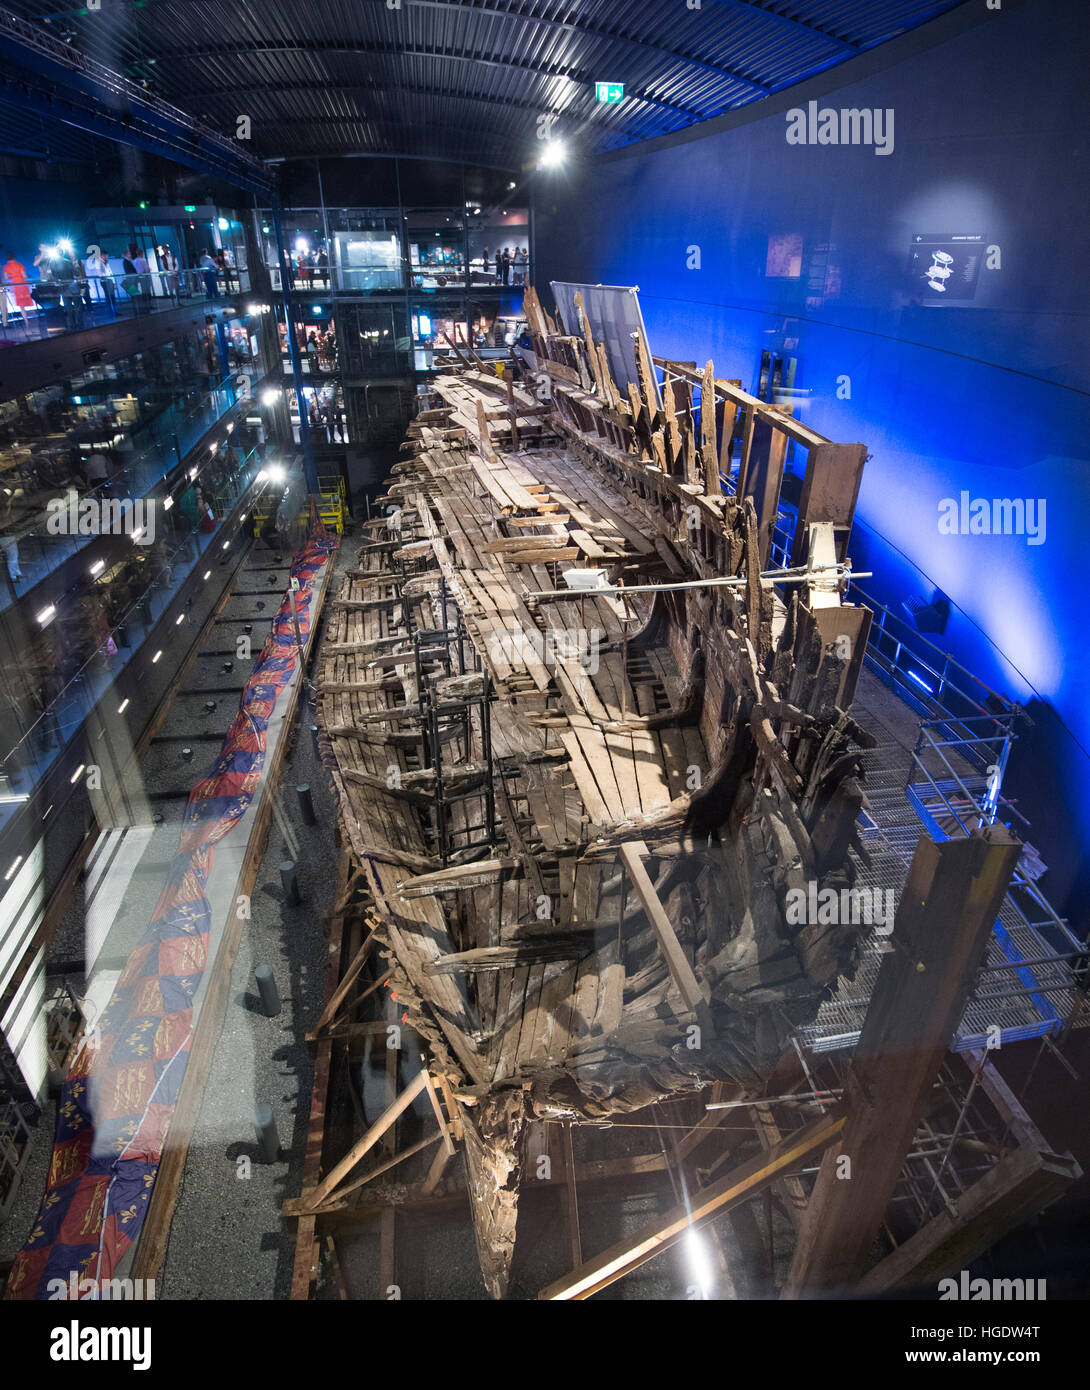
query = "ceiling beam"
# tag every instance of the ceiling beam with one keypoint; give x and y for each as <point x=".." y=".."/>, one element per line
<point x="444" y="93"/>
<point x="576" y="22"/>
<point x="316" y="47"/>
<point x="796" y="26"/>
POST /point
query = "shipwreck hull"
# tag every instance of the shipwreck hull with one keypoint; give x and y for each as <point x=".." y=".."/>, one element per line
<point x="581" y="815"/>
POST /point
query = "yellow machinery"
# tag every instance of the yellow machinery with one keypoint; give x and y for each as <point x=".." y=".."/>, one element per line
<point x="333" y="502"/>
<point x="332" y="506"/>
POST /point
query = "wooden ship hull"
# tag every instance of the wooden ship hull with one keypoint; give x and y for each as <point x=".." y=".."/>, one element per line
<point x="581" y="815"/>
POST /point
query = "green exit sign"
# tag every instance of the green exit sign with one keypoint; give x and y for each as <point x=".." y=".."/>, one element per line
<point x="608" y="91"/>
<point x="191" y="207"/>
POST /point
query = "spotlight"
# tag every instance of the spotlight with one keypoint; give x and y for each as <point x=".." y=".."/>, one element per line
<point x="928" y="617"/>
<point x="554" y="153"/>
<point x="270" y="397"/>
<point x="277" y="473"/>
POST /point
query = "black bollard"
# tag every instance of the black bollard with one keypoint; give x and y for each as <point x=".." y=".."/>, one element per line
<point x="289" y="883"/>
<point x="306" y="805"/>
<point x="268" y="1141"/>
<point x="210" y="705"/>
<point x="266" y="987"/>
<point x="187" y="753"/>
<point x="314" y="736"/>
<point x="123" y="637"/>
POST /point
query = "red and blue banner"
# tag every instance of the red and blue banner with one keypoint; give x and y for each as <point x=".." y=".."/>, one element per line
<point x="118" y="1098"/>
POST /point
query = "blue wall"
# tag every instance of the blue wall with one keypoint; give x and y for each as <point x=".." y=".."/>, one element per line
<point x="32" y="211"/>
<point x="989" y="395"/>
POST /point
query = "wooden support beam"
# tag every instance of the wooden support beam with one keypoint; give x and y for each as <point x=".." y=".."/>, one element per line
<point x="764" y="466"/>
<point x="948" y="905"/>
<point x="1020" y="1185"/>
<point x="709" y="454"/>
<point x="337" y="998"/>
<point x="441" y="1119"/>
<point x="369" y="1140"/>
<point x="742" y="1183"/>
<point x="325" y="1027"/>
<point x="694" y="994"/>
<point x="830" y="488"/>
<point x="302" y="1207"/>
<point x="335" y="1269"/>
<point x="436" y="1171"/>
<point x="571" y="1195"/>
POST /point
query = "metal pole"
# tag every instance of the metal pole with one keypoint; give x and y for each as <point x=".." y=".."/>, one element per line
<point x="289" y="883"/>
<point x="306" y="804"/>
<point x="305" y="441"/>
<point x="266" y="987"/>
<point x="268" y="1141"/>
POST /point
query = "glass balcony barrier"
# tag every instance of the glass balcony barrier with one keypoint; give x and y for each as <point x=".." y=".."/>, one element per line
<point x="30" y="548"/>
<point x="31" y="309"/>
<point x="385" y="276"/>
<point x="55" y="685"/>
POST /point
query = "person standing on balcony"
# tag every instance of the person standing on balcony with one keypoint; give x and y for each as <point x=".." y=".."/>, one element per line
<point x="209" y="273"/>
<point x="9" y="544"/>
<point x="64" y="273"/>
<point x="97" y="267"/>
<point x="143" y="271"/>
<point x="168" y="265"/>
<point x="131" y="280"/>
<point x="15" y="285"/>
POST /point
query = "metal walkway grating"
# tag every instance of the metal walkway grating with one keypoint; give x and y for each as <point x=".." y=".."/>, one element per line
<point x="1022" y="1001"/>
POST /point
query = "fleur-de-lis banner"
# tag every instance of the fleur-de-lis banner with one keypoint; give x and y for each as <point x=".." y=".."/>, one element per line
<point x="117" y="1100"/>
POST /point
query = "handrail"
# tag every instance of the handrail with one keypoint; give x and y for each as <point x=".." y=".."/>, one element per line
<point x="65" y="55"/>
<point x="948" y="660"/>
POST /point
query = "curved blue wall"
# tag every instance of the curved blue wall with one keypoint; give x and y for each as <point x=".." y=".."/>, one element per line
<point x="988" y="395"/>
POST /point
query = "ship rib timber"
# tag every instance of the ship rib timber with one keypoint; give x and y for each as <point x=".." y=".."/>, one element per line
<point x="580" y="818"/>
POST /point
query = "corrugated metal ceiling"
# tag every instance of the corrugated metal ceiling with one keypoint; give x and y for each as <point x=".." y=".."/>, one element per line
<point x="467" y="80"/>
